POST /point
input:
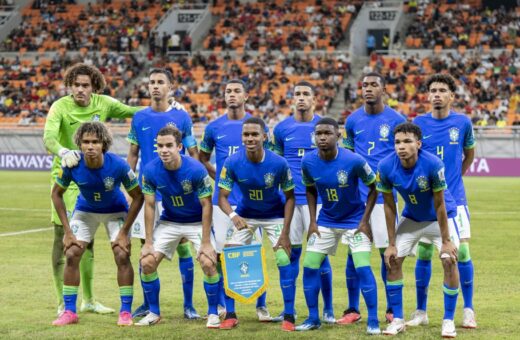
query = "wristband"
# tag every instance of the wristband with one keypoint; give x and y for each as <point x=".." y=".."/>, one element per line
<point x="232" y="214"/>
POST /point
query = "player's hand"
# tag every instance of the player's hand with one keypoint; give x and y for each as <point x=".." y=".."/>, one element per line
<point x="146" y="250"/>
<point x="285" y="243"/>
<point x="70" y="240"/>
<point x="448" y="249"/>
<point x="207" y="250"/>
<point x="69" y="158"/>
<point x="239" y="222"/>
<point x="365" y="229"/>
<point x="390" y="256"/>
<point x="313" y="229"/>
<point x="122" y="241"/>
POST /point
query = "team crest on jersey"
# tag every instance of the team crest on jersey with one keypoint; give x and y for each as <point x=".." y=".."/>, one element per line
<point x="423" y="184"/>
<point x="269" y="180"/>
<point x="244" y="268"/>
<point x="384" y="132"/>
<point x="454" y="135"/>
<point x="109" y="183"/>
<point x="342" y="178"/>
<point x="187" y="187"/>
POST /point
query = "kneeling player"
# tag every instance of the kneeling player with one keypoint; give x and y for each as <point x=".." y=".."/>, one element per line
<point x="186" y="189"/>
<point x="429" y="213"/>
<point x="259" y="175"/>
<point x="98" y="175"/>
<point x="334" y="174"/>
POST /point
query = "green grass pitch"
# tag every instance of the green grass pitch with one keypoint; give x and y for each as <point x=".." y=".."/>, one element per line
<point x="27" y="301"/>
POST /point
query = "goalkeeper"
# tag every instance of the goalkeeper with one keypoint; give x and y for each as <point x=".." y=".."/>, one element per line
<point x="65" y="116"/>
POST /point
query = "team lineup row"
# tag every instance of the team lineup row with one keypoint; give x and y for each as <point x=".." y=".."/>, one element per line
<point x="279" y="192"/>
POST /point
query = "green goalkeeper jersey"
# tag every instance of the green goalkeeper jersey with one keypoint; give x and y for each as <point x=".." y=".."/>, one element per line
<point x="65" y="116"/>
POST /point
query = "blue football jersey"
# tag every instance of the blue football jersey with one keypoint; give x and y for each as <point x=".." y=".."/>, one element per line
<point x="337" y="182"/>
<point x="261" y="184"/>
<point x="180" y="189"/>
<point x="447" y="138"/>
<point x="416" y="185"/>
<point x="371" y="136"/>
<point x="147" y="123"/>
<point x="224" y="135"/>
<point x="292" y="140"/>
<point x="100" y="188"/>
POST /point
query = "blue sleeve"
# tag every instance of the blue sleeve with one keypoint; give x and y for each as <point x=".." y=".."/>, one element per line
<point x="437" y="177"/>
<point x="128" y="177"/>
<point x="207" y="142"/>
<point x="227" y="177"/>
<point x="267" y="144"/>
<point x="64" y="177"/>
<point x="364" y="171"/>
<point x="383" y="184"/>
<point x="132" y="135"/>
<point x="188" y="140"/>
<point x="348" y="134"/>
<point x="203" y="183"/>
<point x="287" y="182"/>
<point x="307" y="179"/>
<point x="469" y="138"/>
<point x="277" y="141"/>
<point x="149" y="186"/>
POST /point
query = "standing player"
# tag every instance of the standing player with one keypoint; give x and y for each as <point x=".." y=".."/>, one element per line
<point x="224" y="135"/>
<point x="449" y="135"/>
<point x="260" y="176"/>
<point x="65" y="116"/>
<point x="369" y="132"/>
<point x="142" y="137"/>
<point x="186" y="188"/>
<point x="429" y="213"/>
<point x="333" y="173"/>
<point x="99" y="175"/>
<point x="293" y="138"/>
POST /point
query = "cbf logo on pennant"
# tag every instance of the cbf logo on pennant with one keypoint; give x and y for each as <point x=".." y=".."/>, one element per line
<point x="245" y="274"/>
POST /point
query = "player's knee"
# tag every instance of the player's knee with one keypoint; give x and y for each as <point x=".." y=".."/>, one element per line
<point x="121" y="257"/>
<point x="148" y="264"/>
<point x="281" y="258"/>
<point x="425" y="251"/>
<point x="313" y="260"/>
<point x="448" y="265"/>
<point x="464" y="255"/>
<point x="73" y="256"/>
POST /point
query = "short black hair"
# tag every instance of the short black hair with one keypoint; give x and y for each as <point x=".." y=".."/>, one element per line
<point x="170" y="130"/>
<point x="328" y="121"/>
<point x="255" y="120"/>
<point x="305" y="83"/>
<point x="409" y="128"/>
<point x="375" y="74"/>
<point x="164" y="71"/>
<point x="442" y="78"/>
<point x="237" y="81"/>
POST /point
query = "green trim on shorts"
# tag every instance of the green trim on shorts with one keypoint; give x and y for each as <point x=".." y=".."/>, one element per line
<point x="149" y="277"/>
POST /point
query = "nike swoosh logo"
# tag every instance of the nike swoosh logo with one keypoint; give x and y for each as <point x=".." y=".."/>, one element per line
<point x="146" y="128"/>
<point x="397" y="185"/>
<point x="289" y="138"/>
<point x="426" y="137"/>
<point x="242" y="180"/>
<point x="468" y="282"/>
<point x="316" y="179"/>
<point x="164" y="186"/>
<point x="358" y="132"/>
<point x="367" y="291"/>
<point x="83" y="183"/>
<point x="72" y="123"/>
<point x="220" y="137"/>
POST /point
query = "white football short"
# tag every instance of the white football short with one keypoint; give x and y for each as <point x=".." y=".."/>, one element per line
<point x="410" y="232"/>
<point x="138" y="228"/>
<point x="300" y="223"/>
<point x="223" y="228"/>
<point x="328" y="242"/>
<point x="463" y="225"/>
<point x="84" y="224"/>
<point x="167" y="236"/>
<point x="272" y="227"/>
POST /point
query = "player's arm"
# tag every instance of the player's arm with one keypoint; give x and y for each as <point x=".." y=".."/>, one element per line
<point x="51" y="137"/>
<point x="442" y="217"/>
<point x="120" y="110"/>
<point x="133" y="153"/>
<point x="194" y="152"/>
<point x="57" y="199"/>
<point x="311" y="193"/>
<point x="122" y="240"/>
<point x="469" y="156"/>
<point x="390" y="209"/>
<point x="204" y="158"/>
<point x="284" y="241"/>
<point x="469" y="147"/>
<point x="149" y="219"/>
<point x="364" y="224"/>
<point x="225" y="184"/>
<point x="205" y="246"/>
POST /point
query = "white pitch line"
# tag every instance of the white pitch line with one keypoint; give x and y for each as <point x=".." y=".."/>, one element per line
<point x="25" y="232"/>
<point x="23" y="209"/>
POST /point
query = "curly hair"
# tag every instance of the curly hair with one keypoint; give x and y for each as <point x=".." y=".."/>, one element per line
<point x="408" y="127"/>
<point x="95" y="128"/>
<point x="442" y="78"/>
<point x="96" y="77"/>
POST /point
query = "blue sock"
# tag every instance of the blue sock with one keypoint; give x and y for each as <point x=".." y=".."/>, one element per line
<point x="221" y="289"/>
<point x="70" y="296"/>
<point x="145" y="300"/>
<point x="383" y="277"/>
<point x="395" y="295"/>
<point x="186" y="269"/>
<point x="127" y="297"/>
<point x="450" y="301"/>
<point x="352" y="284"/>
<point x="423" y="274"/>
<point x="369" y="289"/>
<point x="260" y="302"/>
<point x="466" y="282"/>
<point x="230" y="304"/>
<point x="152" y="287"/>
<point x="326" y="284"/>
<point x="288" y="289"/>
<point x="296" y="252"/>
<point x="311" y="289"/>
<point x="211" y="287"/>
